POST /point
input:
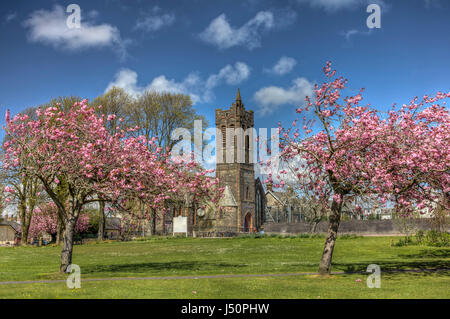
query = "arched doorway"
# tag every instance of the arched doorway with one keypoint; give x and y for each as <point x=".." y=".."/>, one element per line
<point x="248" y="223"/>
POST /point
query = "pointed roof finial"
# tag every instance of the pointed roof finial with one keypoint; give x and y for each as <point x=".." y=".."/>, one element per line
<point x="238" y="96"/>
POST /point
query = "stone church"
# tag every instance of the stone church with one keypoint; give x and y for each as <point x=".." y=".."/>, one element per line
<point x="243" y="202"/>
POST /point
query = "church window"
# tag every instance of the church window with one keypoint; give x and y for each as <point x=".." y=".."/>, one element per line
<point x="224" y="136"/>
<point x="247" y="146"/>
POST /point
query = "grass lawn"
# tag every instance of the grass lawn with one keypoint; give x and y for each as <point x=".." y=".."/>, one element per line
<point x="204" y="256"/>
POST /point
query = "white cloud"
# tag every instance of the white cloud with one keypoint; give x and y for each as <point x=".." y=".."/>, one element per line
<point x="49" y="27"/>
<point x="155" y="20"/>
<point x="284" y="65"/>
<point x="335" y="5"/>
<point x="221" y="34"/>
<point x="348" y="34"/>
<point x="9" y="17"/>
<point x="232" y="75"/>
<point x="193" y="85"/>
<point x="272" y="97"/>
<point x="93" y="14"/>
<point x="128" y="80"/>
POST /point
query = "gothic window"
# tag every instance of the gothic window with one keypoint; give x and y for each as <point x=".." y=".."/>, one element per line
<point x="234" y="146"/>
<point x="247" y="193"/>
<point x="258" y="205"/>
<point x="247" y="146"/>
<point x="224" y="136"/>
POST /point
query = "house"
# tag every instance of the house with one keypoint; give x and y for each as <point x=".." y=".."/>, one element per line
<point x="283" y="206"/>
<point x="112" y="227"/>
<point x="9" y="233"/>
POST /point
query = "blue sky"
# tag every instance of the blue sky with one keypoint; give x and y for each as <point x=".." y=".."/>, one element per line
<point x="273" y="51"/>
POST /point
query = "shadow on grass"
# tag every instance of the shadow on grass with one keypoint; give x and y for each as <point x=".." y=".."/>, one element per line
<point x="429" y="253"/>
<point x="162" y="267"/>
<point x="437" y="259"/>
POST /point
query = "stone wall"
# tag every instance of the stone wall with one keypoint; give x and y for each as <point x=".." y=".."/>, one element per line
<point x="357" y="227"/>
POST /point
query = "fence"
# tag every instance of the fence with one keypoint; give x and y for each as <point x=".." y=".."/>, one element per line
<point x="357" y="227"/>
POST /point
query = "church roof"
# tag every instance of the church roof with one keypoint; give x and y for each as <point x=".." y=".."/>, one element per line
<point x="274" y="196"/>
<point x="227" y="199"/>
<point x="238" y="96"/>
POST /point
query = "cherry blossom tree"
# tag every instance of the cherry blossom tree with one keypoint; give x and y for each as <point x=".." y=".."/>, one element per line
<point x="44" y="221"/>
<point x="69" y="152"/>
<point x="355" y="150"/>
<point x="77" y="160"/>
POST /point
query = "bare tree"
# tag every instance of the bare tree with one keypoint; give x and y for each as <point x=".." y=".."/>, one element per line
<point x="115" y="102"/>
<point x="159" y="114"/>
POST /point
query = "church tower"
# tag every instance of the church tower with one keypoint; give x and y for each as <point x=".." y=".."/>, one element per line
<point x="234" y="158"/>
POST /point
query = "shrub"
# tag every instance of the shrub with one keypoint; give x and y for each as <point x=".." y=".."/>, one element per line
<point x="402" y="242"/>
<point x="420" y="236"/>
<point x="437" y="239"/>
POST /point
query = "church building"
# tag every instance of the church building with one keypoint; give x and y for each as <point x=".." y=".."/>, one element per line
<point x="243" y="202"/>
<point x="242" y="208"/>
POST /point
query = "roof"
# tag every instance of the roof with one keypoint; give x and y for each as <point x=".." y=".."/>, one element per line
<point x="274" y="196"/>
<point x="113" y="223"/>
<point x="227" y="199"/>
<point x="238" y="96"/>
<point x="14" y="225"/>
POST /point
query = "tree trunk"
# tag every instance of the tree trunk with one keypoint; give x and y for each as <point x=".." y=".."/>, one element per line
<point x="101" y="220"/>
<point x="164" y="224"/>
<point x="66" y="254"/>
<point x="314" y="226"/>
<point x="25" y="226"/>
<point x="153" y="225"/>
<point x="59" y="229"/>
<point x="333" y="226"/>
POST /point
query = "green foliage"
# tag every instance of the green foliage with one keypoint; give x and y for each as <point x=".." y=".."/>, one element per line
<point x="93" y="221"/>
<point x="437" y="239"/>
<point x="403" y="242"/>
<point x="431" y="238"/>
<point x="420" y="237"/>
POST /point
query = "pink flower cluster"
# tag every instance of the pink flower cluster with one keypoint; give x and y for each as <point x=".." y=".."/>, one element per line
<point x="73" y="150"/>
<point x="44" y="220"/>
<point x="403" y="155"/>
